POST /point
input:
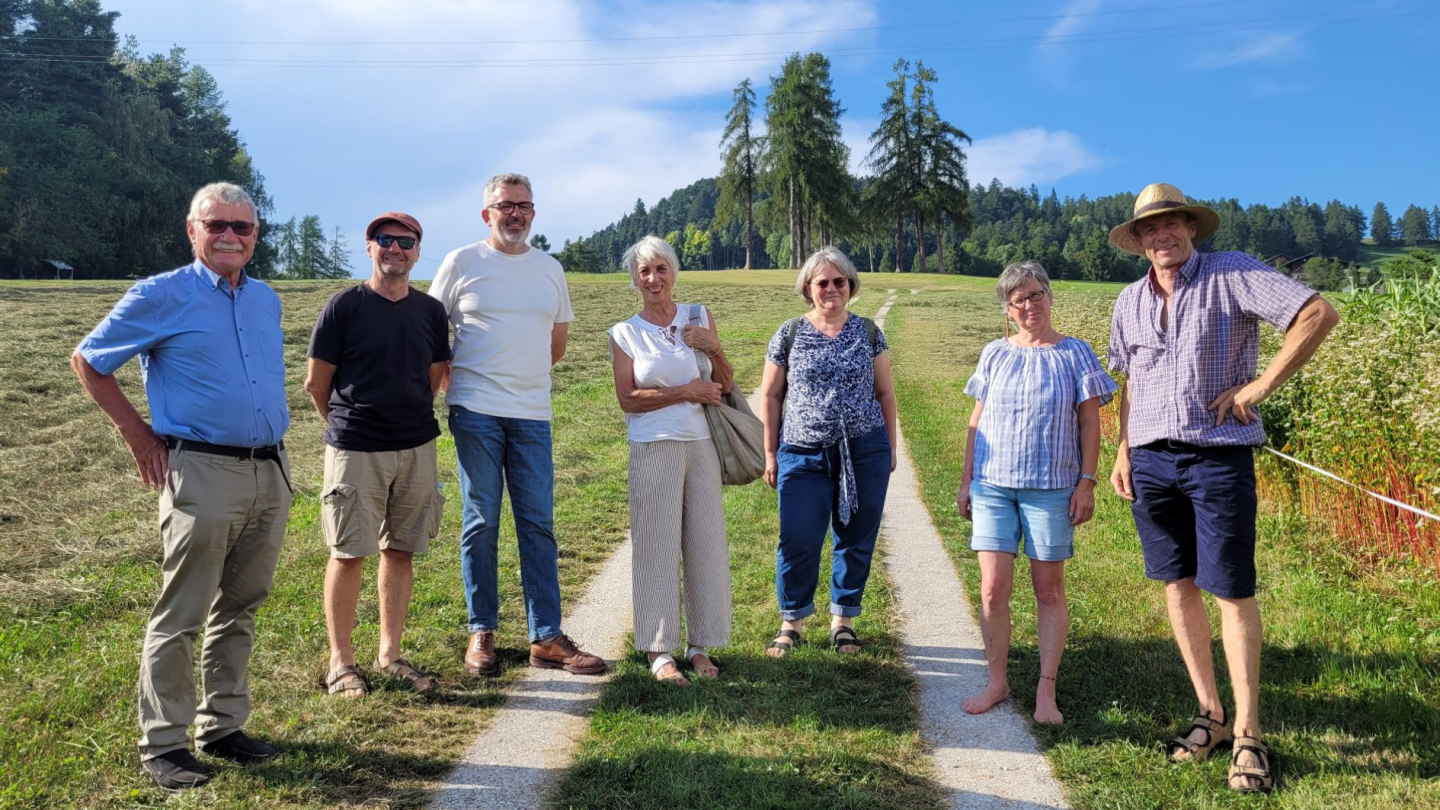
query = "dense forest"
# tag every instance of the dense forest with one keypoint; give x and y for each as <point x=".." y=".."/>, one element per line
<point x="101" y="149"/>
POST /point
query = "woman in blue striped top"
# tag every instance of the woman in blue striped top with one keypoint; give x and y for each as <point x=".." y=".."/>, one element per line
<point x="1030" y="459"/>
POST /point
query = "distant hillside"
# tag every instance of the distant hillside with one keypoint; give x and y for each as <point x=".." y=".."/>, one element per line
<point x="1068" y="235"/>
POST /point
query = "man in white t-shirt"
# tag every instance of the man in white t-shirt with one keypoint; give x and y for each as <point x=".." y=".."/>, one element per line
<point x="511" y="314"/>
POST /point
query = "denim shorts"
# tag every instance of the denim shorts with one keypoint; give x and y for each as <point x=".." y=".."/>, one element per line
<point x="1001" y="515"/>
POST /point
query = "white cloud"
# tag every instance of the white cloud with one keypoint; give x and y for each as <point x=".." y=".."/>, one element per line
<point x="1279" y="47"/>
<point x="1028" y="156"/>
<point x="348" y="141"/>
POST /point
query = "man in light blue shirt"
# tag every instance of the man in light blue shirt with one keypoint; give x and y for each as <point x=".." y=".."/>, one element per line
<point x="212" y="358"/>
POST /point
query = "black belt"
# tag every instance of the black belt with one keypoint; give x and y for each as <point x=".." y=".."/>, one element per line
<point x="270" y="452"/>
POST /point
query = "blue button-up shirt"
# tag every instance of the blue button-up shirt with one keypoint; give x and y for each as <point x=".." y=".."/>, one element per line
<point x="212" y="358"/>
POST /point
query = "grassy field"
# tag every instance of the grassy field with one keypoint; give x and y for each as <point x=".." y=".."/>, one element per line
<point x="79" y="572"/>
<point x="1350" y="698"/>
<point x="1373" y="256"/>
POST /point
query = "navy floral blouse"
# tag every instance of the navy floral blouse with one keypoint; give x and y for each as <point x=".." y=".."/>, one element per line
<point x="829" y="390"/>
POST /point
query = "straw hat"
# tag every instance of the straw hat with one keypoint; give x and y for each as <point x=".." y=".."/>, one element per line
<point x="1157" y="199"/>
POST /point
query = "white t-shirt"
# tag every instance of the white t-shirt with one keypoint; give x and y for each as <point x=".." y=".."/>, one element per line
<point x="503" y="309"/>
<point x="661" y="360"/>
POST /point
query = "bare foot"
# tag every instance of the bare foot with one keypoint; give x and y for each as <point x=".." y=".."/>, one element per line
<point x="982" y="702"/>
<point x="1047" y="712"/>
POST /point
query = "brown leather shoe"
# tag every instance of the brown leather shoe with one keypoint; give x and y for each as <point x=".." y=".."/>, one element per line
<point x="562" y="653"/>
<point x="480" y="656"/>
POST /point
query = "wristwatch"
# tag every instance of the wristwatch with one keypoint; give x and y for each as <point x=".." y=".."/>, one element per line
<point x="1087" y="477"/>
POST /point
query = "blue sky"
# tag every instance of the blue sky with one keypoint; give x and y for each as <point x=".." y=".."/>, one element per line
<point x="351" y="107"/>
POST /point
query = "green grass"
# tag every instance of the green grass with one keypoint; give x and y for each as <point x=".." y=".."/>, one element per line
<point x="80" y="567"/>
<point x="1374" y="256"/>
<point x="1349" y="702"/>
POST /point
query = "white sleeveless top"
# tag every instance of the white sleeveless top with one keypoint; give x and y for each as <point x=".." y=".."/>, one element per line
<point x="661" y="359"/>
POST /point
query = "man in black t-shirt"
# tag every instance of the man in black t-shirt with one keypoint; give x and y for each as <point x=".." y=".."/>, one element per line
<point x="377" y="355"/>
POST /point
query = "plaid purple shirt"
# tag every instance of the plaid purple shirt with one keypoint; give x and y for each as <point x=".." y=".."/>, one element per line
<point x="1212" y="343"/>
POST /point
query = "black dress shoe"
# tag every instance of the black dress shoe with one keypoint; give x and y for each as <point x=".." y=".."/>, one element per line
<point x="240" y="748"/>
<point x="176" y="770"/>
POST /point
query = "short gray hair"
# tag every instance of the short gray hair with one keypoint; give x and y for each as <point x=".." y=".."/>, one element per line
<point x="826" y="255"/>
<point x="506" y="179"/>
<point x="1016" y="275"/>
<point x="648" y="248"/>
<point x="224" y="193"/>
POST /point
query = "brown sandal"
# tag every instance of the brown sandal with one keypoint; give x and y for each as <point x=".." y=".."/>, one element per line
<point x="1184" y="749"/>
<point x="347" y="679"/>
<point x="1265" y="773"/>
<point x="402" y="669"/>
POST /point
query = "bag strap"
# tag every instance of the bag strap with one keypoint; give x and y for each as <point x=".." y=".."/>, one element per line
<point x="702" y="361"/>
<point x="788" y="343"/>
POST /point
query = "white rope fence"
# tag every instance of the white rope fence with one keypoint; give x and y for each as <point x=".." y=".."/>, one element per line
<point x="1407" y="507"/>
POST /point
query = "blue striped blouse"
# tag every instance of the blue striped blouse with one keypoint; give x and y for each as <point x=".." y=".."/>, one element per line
<point x="1029" y="431"/>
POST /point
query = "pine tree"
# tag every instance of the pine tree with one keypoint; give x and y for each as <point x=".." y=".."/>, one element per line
<point x="742" y="151"/>
<point x="1382" y="228"/>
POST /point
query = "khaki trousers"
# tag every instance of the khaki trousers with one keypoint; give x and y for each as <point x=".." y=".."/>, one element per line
<point x="222" y="521"/>
<point x="677" y="520"/>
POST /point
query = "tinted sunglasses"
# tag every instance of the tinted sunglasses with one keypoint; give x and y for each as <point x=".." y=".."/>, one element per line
<point x="385" y="240"/>
<point x="840" y="283"/>
<point x="218" y="226"/>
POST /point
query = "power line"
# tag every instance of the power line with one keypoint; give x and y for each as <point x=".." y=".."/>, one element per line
<point x="989" y="21"/>
<point x="1289" y="22"/>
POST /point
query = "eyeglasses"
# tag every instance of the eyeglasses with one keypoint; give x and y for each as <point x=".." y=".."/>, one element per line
<point x="840" y="283"/>
<point x="1032" y="298"/>
<point x="218" y="226"/>
<point x="385" y="240"/>
<point x="507" y="208"/>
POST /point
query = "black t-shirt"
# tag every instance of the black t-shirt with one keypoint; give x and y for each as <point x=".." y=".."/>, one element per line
<point x="380" y="398"/>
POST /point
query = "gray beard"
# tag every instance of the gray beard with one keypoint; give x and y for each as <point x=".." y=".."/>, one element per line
<point x="505" y="235"/>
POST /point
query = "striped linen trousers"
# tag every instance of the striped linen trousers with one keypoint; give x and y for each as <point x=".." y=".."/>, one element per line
<point x="677" y="519"/>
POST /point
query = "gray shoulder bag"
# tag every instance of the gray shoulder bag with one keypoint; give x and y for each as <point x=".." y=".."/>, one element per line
<point x="738" y="434"/>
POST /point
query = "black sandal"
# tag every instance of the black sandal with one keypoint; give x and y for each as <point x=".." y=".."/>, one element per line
<point x="784" y="641"/>
<point x="843" y="636"/>
<point x="1216" y="733"/>
<point x="1265" y="773"/>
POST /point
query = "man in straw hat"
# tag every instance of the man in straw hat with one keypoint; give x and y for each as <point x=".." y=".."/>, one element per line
<point x="1187" y="337"/>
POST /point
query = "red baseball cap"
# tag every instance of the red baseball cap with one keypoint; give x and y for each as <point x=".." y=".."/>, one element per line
<point x="398" y="217"/>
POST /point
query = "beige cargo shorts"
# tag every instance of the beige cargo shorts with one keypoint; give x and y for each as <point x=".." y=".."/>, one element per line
<point x="380" y="500"/>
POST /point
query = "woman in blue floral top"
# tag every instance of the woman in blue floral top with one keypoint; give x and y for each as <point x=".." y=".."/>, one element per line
<point x="1030" y="474"/>
<point x="831" y="457"/>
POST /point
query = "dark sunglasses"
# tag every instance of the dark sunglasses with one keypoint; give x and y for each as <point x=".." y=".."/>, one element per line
<point x="385" y="240"/>
<point x="840" y="283"/>
<point x="218" y="226"/>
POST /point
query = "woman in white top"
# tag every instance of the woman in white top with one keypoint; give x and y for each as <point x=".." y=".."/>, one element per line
<point x="677" y="518"/>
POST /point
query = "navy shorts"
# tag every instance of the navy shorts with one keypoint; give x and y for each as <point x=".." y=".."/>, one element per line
<point x="1195" y="511"/>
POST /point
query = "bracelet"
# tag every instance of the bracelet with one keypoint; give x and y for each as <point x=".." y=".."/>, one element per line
<point x="1087" y="477"/>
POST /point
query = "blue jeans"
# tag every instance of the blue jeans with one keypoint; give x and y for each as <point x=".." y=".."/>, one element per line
<point x="808" y="482"/>
<point x="491" y="452"/>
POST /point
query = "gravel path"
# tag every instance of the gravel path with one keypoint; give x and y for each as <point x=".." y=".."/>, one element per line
<point x="988" y="760"/>
<point x="531" y="738"/>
